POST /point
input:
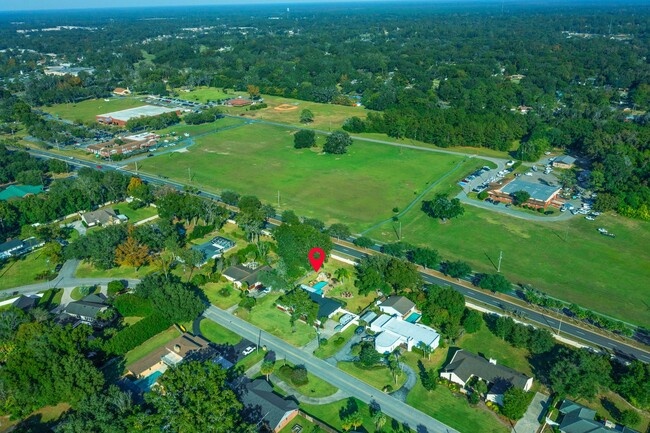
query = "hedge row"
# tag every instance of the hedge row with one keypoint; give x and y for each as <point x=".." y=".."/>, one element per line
<point x="133" y="305"/>
<point x="134" y="335"/>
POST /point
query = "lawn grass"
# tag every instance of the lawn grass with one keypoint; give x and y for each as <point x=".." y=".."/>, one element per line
<point x="315" y="387"/>
<point x="335" y="343"/>
<point x="605" y="402"/>
<point x="218" y="334"/>
<point x="490" y="346"/>
<point x="569" y="259"/>
<point x="251" y="360"/>
<point x="150" y="345"/>
<point x="193" y="130"/>
<point x="22" y="271"/>
<point x="354" y="188"/>
<point x="307" y="426"/>
<point x="211" y="290"/>
<point x="356" y="303"/>
<point x="205" y="94"/>
<point x="86" y="111"/>
<point x="266" y="316"/>
<point x="331" y="414"/>
<point x="135" y="215"/>
<point x="77" y="295"/>
<point x="378" y="376"/>
<point x="87" y="270"/>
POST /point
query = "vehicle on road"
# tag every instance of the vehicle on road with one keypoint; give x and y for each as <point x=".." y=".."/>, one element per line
<point x="98" y="167"/>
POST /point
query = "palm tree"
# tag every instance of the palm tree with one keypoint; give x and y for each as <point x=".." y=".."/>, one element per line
<point x="379" y="419"/>
<point x="341" y="274"/>
<point x="267" y="368"/>
<point x="425" y="348"/>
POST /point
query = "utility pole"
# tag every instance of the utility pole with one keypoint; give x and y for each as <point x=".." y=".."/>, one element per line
<point x="500" y="257"/>
<point x="259" y="341"/>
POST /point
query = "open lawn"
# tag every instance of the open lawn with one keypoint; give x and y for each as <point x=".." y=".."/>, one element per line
<point x="378" y="376"/>
<point x="78" y="293"/>
<point x="87" y="270"/>
<point x="218" y="334"/>
<point x="23" y="270"/>
<point x="333" y="412"/>
<point x="307" y="426"/>
<point x="150" y="345"/>
<point x="491" y="346"/>
<point x="86" y="111"/>
<point x="569" y="260"/>
<point x="212" y="290"/>
<point x="354" y="188"/>
<point x="266" y="316"/>
<point x="193" y="130"/>
<point x="335" y="343"/>
<point x="327" y="117"/>
<point x="251" y="360"/>
<point x="206" y="94"/>
<point x="135" y="215"/>
<point x="315" y="387"/>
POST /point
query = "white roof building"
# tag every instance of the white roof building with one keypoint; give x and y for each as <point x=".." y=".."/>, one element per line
<point x="394" y="332"/>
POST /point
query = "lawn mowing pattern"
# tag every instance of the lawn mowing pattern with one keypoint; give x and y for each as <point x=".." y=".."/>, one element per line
<point x="87" y="110"/>
<point x="150" y="345"/>
<point x="354" y="188"/>
<point x="569" y="260"/>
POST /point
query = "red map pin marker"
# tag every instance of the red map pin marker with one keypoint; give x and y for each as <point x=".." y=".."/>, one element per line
<point x="316" y="263"/>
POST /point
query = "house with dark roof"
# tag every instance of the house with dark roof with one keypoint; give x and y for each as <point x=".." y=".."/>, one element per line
<point x="214" y="248"/>
<point x="25" y="302"/>
<point x="327" y="307"/>
<point x="87" y="309"/>
<point x="465" y="365"/>
<point x="541" y="195"/>
<point x="17" y="247"/>
<point x="397" y="306"/>
<point x="20" y="191"/>
<point x="245" y="276"/>
<point x="564" y="161"/>
<point x="576" y="418"/>
<point x="264" y="407"/>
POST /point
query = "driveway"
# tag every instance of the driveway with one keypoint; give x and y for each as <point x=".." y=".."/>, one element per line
<point x="530" y="421"/>
<point x="392" y="407"/>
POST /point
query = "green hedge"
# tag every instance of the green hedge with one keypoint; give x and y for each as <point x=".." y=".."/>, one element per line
<point x="133" y="336"/>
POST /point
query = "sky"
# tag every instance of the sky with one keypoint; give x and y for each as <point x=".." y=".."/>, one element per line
<point x="9" y="5"/>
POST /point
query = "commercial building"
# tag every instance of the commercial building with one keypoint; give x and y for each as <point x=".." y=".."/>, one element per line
<point x="394" y="332"/>
<point x="130" y="144"/>
<point x="465" y="365"/>
<point x="564" y="161"/>
<point x="541" y="196"/>
<point x="63" y="70"/>
<point x="238" y="102"/>
<point x="20" y="191"/>
<point x="119" y="91"/>
<point x="120" y="118"/>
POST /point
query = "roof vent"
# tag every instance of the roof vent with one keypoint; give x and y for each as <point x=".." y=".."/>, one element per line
<point x="177" y="349"/>
<point x="493" y="361"/>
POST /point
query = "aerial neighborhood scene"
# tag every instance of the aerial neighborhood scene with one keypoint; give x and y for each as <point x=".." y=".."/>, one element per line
<point x="323" y="217"/>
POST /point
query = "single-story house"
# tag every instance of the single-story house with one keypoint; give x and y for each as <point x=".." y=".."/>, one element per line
<point x="327" y="307"/>
<point x="20" y="191"/>
<point x="576" y="418"/>
<point x="397" y="306"/>
<point x="394" y="332"/>
<point x="17" y="247"/>
<point x="214" y="248"/>
<point x="246" y="276"/>
<point x="182" y="348"/>
<point x="121" y="91"/>
<point x="465" y="365"/>
<point x="263" y="406"/>
<point x="564" y="161"/>
<point x="101" y="217"/>
<point x="87" y="309"/>
<point x="26" y="302"/>
<point x="541" y="196"/>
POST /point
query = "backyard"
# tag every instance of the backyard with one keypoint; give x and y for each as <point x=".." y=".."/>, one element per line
<point x="353" y="187"/>
<point x="332" y="414"/>
<point x="266" y="316"/>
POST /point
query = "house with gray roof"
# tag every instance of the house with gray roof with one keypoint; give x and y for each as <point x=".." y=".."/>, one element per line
<point x="465" y="365"/>
<point x="87" y="309"/>
<point x="579" y="419"/>
<point x="17" y="247"/>
<point x="397" y="305"/>
<point x="101" y="217"/>
<point x="244" y="276"/>
<point x="265" y="407"/>
<point x="564" y="161"/>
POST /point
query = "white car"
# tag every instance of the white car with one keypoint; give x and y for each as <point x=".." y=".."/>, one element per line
<point x="528" y="173"/>
<point x="510" y="163"/>
<point x="589" y="218"/>
<point x="248" y="350"/>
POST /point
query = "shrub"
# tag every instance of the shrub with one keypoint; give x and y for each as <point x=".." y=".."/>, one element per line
<point x="114" y="287"/>
<point x="225" y="291"/>
<point x="247" y="302"/>
<point x="136" y="204"/>
<point x="363" y="242"/>
<point x="482" y="195"/>
<point x="299" y="375"/>
<point x="473" y="398"/>
<point x="323" y="342"/>
<point x="133" y="305"/>
<point x="200" y="231"/>
<point x="629" y="417"/>
<point x="132" y="336"/>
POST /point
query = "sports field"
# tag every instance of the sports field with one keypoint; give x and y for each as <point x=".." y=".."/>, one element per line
<point x="86" y="111"/>
<point x="206" y="94"/>
<point x="355" y="188"/>
<point x="569" y="260"/>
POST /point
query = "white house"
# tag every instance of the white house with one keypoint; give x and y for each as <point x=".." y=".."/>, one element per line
<point x="394" y="332"/>
<point x="465" y="365"/>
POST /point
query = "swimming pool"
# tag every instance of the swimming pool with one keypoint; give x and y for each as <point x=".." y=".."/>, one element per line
<point x="319" y="286"/>
<point x="413" y="317"/>
<point x="146" y="383"/>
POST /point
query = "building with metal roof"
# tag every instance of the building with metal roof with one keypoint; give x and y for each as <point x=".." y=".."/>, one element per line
<point x="121" y="117"/>
<point x="394" y="332"/>
<point x="20" y="191"/>
<point x="540" y="195"/>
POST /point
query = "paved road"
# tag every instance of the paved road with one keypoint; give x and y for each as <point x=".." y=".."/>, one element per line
<point x="614" y="345"/>
<point x="392" y="407"/>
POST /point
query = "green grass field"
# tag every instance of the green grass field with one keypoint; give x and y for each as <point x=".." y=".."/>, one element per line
<point x="218" y="334"/>
<point x="331" y="414"/>
<point x="307" y="426"/>
<point x="211" y="290"/>
<point x="77" y="293"/>
<point x="378" y="376"/>
<point x="87" y="270"/>
<point x="150" y="345"/>
<point x="86" y="111"/>
<point x="335" y="343"/>
<point x="354" y="188"/>
<point x="205" y="94"/>
<point x="266" y="316"/>
<point x="490" y="346"/>
<point x="135" y="215"/>
<point x="23" y="270"/>
<point x="182" y="128"/>
<point x="569" y="260"/>
<point x="315" y="387"/>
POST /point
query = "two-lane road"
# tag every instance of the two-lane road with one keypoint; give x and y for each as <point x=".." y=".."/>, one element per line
<point x="418" y="421"/>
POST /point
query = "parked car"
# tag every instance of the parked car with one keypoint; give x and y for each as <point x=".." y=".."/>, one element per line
<point x="248" y="350"/>
<point x="589" y="218"/>
<point x="359" y="330"/>
<point x="510" y="163"/>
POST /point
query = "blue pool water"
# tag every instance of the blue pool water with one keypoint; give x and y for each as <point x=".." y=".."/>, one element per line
<point x="413" y="317"/>
<point x="319" y="286"/>
<point x="146" y="383"/>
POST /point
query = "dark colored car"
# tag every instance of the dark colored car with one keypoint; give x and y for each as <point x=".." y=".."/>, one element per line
<point x="359" y="330"/>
